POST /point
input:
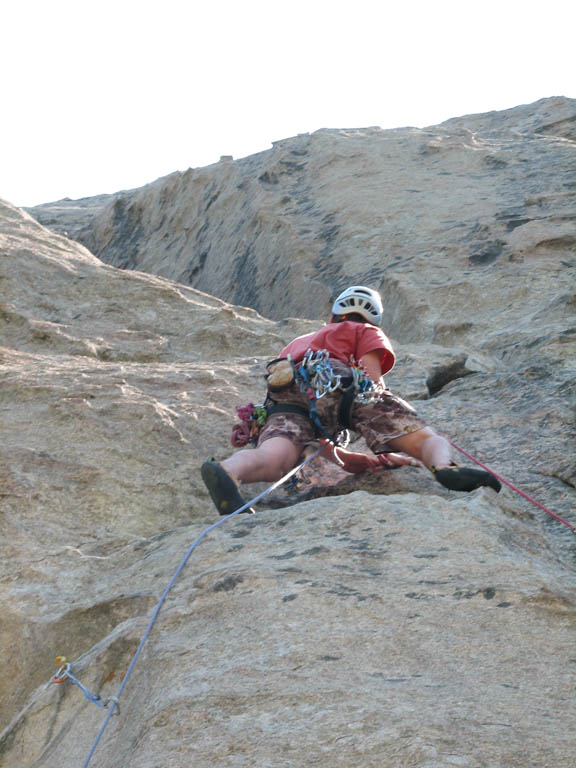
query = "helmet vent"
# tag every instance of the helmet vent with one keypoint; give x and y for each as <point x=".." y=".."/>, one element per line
<point x="361" y="300"/>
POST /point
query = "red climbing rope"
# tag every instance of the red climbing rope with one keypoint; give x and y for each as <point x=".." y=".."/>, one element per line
<point x="506" y="482"/>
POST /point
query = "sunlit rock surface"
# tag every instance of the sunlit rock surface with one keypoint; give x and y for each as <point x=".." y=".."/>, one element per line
<point x="421" y="213"/>
<point x="375" y="621"/>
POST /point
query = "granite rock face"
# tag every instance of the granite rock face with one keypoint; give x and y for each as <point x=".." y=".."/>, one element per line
<point x="376" y="621"/>
<point x="418" y="213"/>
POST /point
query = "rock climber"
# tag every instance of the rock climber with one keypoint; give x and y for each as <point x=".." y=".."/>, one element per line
<point x="328" y="381"/>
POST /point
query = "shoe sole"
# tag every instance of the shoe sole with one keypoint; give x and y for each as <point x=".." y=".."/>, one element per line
<point x="466" y="479"/>
<point x="222" y="489"/>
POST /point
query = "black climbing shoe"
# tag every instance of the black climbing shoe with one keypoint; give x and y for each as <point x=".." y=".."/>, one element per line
<point x="465" y="479"/>
<point x="222" y="489"/>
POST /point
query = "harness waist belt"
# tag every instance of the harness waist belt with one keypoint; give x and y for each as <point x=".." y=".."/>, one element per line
<point x="348" y="395"/>
<point x="287" y="408"/>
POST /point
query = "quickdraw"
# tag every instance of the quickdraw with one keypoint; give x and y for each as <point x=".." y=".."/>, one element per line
<point x="317" y="371"/>
<point x="63" y="674"/>
<point x="366" y="390"/>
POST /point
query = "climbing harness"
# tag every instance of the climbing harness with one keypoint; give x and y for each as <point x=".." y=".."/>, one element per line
<point x="113" y="701"/>
<point x="316" y="378"/>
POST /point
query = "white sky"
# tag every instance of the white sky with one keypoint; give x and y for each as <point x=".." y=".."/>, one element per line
<point x="102" y="96"/>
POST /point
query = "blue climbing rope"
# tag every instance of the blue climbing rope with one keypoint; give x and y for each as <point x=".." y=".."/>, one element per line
<point x="113" y="700"/>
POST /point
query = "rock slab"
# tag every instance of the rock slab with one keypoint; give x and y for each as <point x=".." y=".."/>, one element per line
<point x="372" y="621"/>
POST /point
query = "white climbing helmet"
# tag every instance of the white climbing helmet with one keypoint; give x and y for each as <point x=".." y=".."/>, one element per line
<point x="361" y="300"/>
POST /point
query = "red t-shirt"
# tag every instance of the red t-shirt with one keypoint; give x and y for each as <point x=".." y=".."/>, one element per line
<point x="346" y="341"/>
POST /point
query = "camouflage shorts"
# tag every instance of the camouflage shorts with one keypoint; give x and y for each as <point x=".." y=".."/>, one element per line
<point x="382" y="418"/>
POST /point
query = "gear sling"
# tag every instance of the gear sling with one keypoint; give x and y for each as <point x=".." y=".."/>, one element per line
<point x="316" y="378"/>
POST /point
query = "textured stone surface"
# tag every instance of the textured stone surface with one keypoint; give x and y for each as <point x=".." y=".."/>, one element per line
<point x="72" y="217"/>
<point x="419" y="213"/>
<point x="390" y="624"/>
<point x="399" y="631"/>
